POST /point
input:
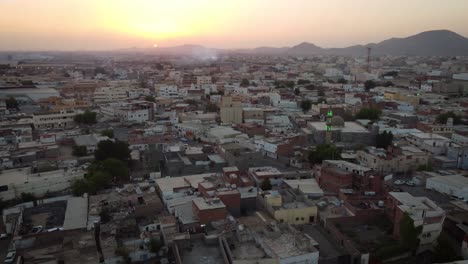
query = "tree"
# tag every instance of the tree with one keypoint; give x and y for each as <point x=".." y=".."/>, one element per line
<point x="321" y="92"/>
<point x="80" y="187"/>
<point x="324" y="152"/>
<point x="444" y="251"/>
<point x="244" y="83"/>
<point x="100" y="70"/>
<point x="115" y="168"/>
<point x="107" y="133"/>
<point x="79" y="151"/>
<point x="370" y="113"/>
<point x="306" y="105"/>
<point x="266" y="184"/>
<point x="383" y="140"/>
<point x="388" y="84"/>
<point x="297" y="91"/>
<point x="109" y="149"/>
<point x="88" y="118"/>
<point x="213" y="108"/>
<point x="409" y="234"/>
<point x="11" y="103"/>
<point x="99" y="180"/>
<point x="302" y="82"/>
<point x="369" y="84"/>
<point x="154" y="245"/>
<point x="342" y="81"/>
<point x="27" y="197"/>
<point x="442" y="118"/>
<point x="150" y="98"/>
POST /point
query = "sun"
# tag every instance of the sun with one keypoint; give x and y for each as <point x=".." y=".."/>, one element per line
<point x="155" y="45"/>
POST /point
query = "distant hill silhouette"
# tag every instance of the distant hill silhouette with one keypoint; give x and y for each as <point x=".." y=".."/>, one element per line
<point x="428" y="43"/>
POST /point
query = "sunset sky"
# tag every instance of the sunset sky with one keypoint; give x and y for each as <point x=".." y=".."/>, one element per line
<point x="112" y="24"/>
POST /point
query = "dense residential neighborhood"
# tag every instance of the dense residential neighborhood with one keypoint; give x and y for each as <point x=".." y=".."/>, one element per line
<point x="236" y="158"/>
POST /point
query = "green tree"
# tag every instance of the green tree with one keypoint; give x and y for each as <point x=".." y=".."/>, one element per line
<point x="297" y="91"/>
<point x="79" y="151"/>
<point x="79" y="187"/>
<point x="244" y="83"/>
<point x="425" y="167"/>
<point x="302" y="82"/>
<point x="98" y="180"/>
<point x="342" y="81"/>
<point x="369" y="84"/>
<point x="388" y="84"/>
<point x="444" y="251"/>
<point x="112" y="149"/>
<point x="27" y="197"/>
<point x="442" y="118"/>
<point x="107" y="133"/>
<point x="11" y="103"/>
<point x="306" y="105"/>
<point x="383" y="140"/>
<point x="154" y="245"/>
<point x="370" y="113"/>
<point x="117" y="169"/>
<point x="88" y="118"/>
<point x="323" y="152"/>
<point x="266" y="184"/>
<point x="150" y="98"/>
<point x="212" y="108"/>
<point x="409" y="234"/>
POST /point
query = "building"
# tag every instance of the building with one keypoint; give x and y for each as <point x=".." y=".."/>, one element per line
<point x="350" y="133"/>
<point x="230" y="111"/>
<point x="400" y="159"/>
<point x="209" y="210"/>
<point x="423" y="211"/>
<point x="453" y="185"/>
<point x="432" y="143"/>
<point x="89" y="141"/>
<point x="168" y="91"/>
<point x="17" y="181"/>
<point x="110" y="94"/>
<point x="54" y="120"/>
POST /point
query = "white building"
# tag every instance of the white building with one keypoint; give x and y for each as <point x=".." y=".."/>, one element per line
<point x="453" y="185"/>
<point x="203" y="80"/>
<point x="53" y="120"/>
<point x="110" y="94"/>
<point x="22" y="180"/>
<point x="168" y="91"/>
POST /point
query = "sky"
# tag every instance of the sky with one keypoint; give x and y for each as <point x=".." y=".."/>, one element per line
<point x="115" y="24"/>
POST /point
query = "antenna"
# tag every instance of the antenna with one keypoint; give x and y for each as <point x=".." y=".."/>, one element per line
<point x="368" y="58"/>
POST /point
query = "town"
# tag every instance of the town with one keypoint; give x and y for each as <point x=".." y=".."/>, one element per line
<point x="233" y="158"/>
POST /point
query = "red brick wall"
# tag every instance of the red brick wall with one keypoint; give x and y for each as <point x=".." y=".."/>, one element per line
<point x="231" y="200"/>
<point x="331" y="181"/>
<point x="206" y="216"/>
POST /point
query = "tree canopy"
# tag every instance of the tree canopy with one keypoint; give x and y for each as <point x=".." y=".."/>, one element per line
<point x="409" y="234"/>
<point x="88" y="118"/>
<point x="112" y="149"/>
<point x="302" y="82"/>
<point x="306" y="105"/>
<point x="442" y="118"/>
<point x="370" y="113"/>
<point x="150" y="98"/>
<point x="108" y="133"/>
<point x="383" y="140"/>
<point x="11" y="103"/>
<point x="297" y="91"/>
<point x="244" y="83"/>
<point x="369" y="84"/>
<point x="323" y="152"/>
<point x="266" y="184"/>
<point x="79" y="151"/>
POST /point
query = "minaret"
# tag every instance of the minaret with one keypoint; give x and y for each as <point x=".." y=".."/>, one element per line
<point x="328" y="135"/>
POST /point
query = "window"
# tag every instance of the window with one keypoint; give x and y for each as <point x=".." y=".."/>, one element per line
<point x="297" y="218"/>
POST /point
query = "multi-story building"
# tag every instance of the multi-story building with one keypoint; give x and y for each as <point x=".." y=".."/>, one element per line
<point x="423" y="211"/>
<point x="110" y="94"/>
<point x="203" y="80"/>
<point x="168" y="91"/>
<point x="231" y="111"/>
<point x="53" y="120"/>
<point x="395" y="159"/>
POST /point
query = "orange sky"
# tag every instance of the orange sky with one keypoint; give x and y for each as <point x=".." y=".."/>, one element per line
<point x="111" y="24"/>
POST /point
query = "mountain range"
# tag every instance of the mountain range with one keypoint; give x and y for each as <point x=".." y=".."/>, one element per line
<point x="428" y="43"/>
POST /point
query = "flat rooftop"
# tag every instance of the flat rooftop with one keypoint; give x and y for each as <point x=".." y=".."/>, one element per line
<point x="201" y="253"/>
<point x="204" y="204"/>
<point x="350" y="127"/>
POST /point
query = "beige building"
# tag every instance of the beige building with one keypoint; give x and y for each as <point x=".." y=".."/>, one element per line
<point x="51" y="120"/>
<point x="231" y="111"/>
<point x="407" y="98"/>
<point x="286" y="207"/>
<point x="396" y="159"/>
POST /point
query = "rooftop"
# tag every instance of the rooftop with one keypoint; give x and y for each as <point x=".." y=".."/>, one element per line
<point x="204" y="204"/>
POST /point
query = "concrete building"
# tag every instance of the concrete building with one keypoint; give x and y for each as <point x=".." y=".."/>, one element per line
<point x="230" y="111"/>
<point x="168" y="91"/>
<point x="209" y="210"/>
<point x="110" y="94"/>
<point x="54" y="120"/>
<point x="344" y="132"/>
<point x="432" y="143"/>
<point x="453" y="185"/>
<point x="396" y="159"/>
<point x="423" y="211"/>
<point x="89" y="141"/>
<point x="23" y="180"/>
